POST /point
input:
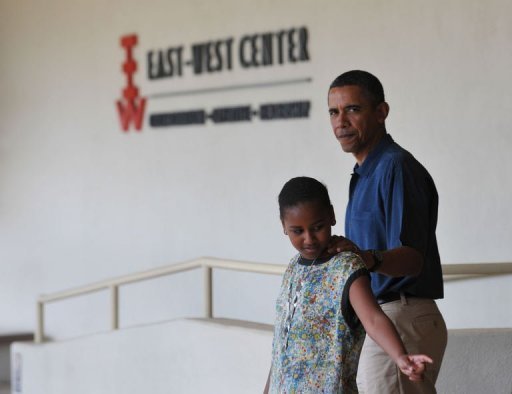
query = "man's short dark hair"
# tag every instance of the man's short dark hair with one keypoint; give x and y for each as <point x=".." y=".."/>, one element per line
<point x="366" y="81"/>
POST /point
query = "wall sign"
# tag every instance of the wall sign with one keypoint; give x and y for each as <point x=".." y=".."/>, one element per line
<point x="282" y="48"/>
<point x="131" y="106"/>
<point x="252" y="50"/>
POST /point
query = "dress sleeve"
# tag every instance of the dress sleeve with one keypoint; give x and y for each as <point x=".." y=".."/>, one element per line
<point x="357" y="269"/>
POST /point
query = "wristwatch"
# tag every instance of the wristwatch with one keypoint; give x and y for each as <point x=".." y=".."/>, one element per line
<point x="377" y="258"/>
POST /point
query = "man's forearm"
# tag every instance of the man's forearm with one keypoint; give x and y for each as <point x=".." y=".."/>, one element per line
<point x="401" y="261"/>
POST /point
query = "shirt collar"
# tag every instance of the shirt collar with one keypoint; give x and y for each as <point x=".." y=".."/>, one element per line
<point x="373" y="157"/>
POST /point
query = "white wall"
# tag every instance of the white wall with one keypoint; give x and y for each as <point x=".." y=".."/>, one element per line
<point x="81" y="201"/>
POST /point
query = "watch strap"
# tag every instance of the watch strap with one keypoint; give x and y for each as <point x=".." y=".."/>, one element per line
<point x="377" y="260"/>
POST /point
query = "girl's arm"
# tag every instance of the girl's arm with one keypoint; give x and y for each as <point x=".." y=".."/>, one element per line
<point x="381" y="329"/>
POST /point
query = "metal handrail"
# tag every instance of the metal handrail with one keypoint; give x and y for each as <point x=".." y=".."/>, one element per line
<point x="450" y="272"/>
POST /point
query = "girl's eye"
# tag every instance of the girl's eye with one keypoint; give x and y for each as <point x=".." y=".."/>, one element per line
<point x="297" y="232"/>
<point x="318" y="228"/>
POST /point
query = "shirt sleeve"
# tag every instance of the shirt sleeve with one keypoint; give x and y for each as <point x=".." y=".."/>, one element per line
<point x="407" y="207"/>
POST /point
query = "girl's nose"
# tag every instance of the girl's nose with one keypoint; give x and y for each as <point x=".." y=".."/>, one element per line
<point x="308" y="237"/>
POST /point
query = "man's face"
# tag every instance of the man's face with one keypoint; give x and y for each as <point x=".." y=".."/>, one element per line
<point x="356" y="121"/>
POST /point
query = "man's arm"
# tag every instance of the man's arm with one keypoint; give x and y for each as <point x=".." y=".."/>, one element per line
<point x="401" y="261"/>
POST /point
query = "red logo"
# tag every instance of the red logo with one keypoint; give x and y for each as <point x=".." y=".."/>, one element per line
<point x="130" y="107"/>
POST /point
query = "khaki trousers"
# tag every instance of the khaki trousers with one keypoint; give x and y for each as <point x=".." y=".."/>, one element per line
<point x="423" y="331"/>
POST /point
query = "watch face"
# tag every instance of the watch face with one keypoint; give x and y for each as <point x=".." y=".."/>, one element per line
<point x="378" y="255"/>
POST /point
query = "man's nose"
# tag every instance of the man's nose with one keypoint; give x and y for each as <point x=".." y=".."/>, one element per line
<point x="343" y="119"/>
<point x="340" y="120"/>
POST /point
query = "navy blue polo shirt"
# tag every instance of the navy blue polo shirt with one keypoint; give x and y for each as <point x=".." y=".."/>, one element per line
<point x="393" y="202"/>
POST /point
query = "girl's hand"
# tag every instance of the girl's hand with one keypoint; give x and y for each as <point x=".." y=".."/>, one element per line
<point x="413" y="365"/>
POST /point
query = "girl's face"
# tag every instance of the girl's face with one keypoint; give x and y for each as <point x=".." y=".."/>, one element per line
<point x="308" y="225"/>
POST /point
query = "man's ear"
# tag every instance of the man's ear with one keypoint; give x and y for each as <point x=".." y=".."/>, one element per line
<point x="382" y="112"/>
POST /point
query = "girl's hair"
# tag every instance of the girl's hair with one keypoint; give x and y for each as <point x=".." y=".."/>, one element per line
<point x="302" y="189"/>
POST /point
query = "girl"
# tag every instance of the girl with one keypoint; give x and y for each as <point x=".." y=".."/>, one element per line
<point x="322" y="302"/>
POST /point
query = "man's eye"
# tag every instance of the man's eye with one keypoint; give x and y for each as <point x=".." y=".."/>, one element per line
<point x="332" y="113"/>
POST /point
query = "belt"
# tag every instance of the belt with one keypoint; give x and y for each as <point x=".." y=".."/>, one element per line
<point x="389" y="297"/>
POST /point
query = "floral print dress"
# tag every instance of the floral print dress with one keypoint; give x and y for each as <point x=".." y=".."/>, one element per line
<point x="317" y="336"/>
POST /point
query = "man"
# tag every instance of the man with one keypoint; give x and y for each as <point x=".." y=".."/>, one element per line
<point x="390" y="222"/>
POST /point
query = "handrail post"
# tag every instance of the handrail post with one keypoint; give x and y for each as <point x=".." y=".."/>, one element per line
<point x="114" y="307"/>
<point x="208" y="291"/>
<point x="39" y="337"/>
